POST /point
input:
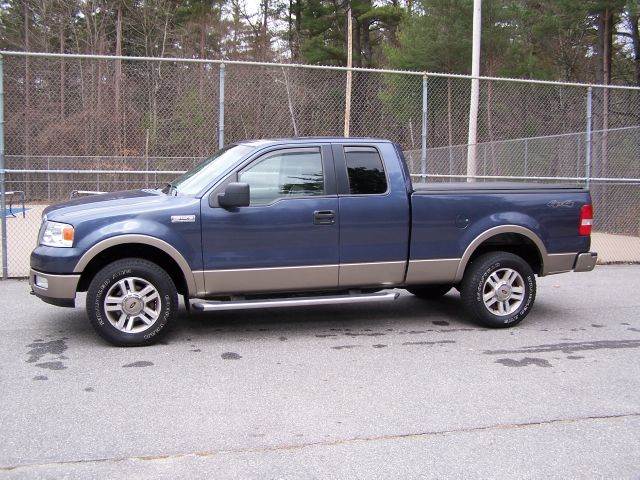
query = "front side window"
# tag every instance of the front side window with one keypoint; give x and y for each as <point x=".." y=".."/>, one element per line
<point x="284" y="174"/>
<point x="365" y="171"/>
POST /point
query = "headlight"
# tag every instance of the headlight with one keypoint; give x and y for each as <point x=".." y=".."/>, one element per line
<point x="57" y="234"/>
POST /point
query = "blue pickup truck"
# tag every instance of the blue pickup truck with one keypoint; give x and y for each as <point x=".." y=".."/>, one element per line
<point x="306" y="221"/>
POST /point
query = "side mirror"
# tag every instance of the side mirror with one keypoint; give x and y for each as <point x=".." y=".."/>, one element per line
<point x="235" y="195"/>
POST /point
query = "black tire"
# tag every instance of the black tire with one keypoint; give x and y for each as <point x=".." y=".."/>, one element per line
<point x="145" y="271"/>
<point x="474" y="288"/>
<point x="430" y="292"/>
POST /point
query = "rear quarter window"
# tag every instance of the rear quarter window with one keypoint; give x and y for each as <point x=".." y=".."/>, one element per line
<point x="365" y="171"/>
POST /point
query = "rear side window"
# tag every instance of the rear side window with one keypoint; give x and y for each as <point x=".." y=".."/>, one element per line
<point x="365" y="171"/>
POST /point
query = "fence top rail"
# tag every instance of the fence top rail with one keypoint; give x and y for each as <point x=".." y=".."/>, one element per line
<point x="420" y="175"/>
<point x="94" y="172"/>
<point x="579" y="134"/>
<point x="426" y="74"/>
<point x="110" y="157"/>
<point x="517" y="177"/>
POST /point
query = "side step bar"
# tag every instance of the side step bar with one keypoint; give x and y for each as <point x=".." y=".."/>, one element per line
<point x="206" y="305"/>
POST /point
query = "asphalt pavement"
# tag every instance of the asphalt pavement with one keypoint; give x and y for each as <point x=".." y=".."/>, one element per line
<point x="407" y="389"/>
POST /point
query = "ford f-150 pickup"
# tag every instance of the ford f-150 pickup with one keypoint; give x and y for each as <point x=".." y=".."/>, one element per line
<point x="306" y="221"/>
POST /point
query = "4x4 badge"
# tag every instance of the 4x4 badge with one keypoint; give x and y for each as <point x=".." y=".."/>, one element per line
<point x="558" y="203"/>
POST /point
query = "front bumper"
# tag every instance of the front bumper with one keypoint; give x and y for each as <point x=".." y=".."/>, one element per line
<point x="585" y="262"/>
<point x="55" y="289"/>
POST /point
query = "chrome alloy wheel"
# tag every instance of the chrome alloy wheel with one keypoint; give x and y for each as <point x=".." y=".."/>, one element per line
<point x="503" y="292"/>
<point x="132" y="305"/>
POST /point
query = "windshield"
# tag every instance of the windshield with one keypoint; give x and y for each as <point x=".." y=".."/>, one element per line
<point x="192" y="182"/>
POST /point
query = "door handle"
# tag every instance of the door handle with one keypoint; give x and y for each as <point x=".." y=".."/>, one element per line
<point x="324" y="217"/>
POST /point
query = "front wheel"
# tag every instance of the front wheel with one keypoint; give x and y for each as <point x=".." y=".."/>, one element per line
<point x="498" y="289"/>
<point x="130" y="302"/>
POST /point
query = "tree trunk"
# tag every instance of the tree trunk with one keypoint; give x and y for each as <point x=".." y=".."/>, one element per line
<point x="605" y="39"/>
<point x="62" y="70"/>
<point x="264" y="33"/>
<point x="606" y="79"/>
<point x="294" y="125"/>
<point x="298" y="28"/>
<point x="490" y="73"/>
<point x="156" y="74"/>
<point x="27" y="99"/>
<point x="118" y="78"/>
<point x="635" y="38"/>
<point x="290" y="27"/>
<point x="449" y="126"/>
<point x="201" y="100"/>
<point x="494" y="165"/>
<point x="99" y="80"/>
<point x="367" y="52"/>
<point x="357" y="45"/>
<point x="357" y="86"/>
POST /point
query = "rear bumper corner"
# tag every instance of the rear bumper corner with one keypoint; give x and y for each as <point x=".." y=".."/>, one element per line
<point x="585" y="262"/>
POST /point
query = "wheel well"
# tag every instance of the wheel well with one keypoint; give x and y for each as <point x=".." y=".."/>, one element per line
<point x="131" y="250"/>
<point x="514" y="243"/>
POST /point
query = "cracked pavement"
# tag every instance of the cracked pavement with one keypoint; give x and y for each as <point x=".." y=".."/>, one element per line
<point x="409" y="389"/>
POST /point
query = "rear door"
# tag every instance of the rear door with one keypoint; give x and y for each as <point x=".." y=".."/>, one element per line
<point x="374" y="215"/>
<point x="287" y="239"/>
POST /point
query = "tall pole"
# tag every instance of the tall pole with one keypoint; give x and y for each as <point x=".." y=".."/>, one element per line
<point x="5" y="266"/>
<point x="221" y="109"/>
<point x="475" y="93"/>
<point x="347" y="102"/>
<point x="587" y="140"/>
<point x="425" y="113"/>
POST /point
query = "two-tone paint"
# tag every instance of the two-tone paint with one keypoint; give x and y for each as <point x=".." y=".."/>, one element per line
<point x="408" y="235"/>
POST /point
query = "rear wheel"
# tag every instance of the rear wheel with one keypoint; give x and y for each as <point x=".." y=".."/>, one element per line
<point x="430" y="292"/>
<point x="131" y="302"/>
<point x="499" y="289"/>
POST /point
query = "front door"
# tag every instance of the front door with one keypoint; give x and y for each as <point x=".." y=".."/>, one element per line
<point x="287" y="238"/>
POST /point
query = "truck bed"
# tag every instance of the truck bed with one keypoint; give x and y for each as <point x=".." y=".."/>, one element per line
<point x="447" y="217"/>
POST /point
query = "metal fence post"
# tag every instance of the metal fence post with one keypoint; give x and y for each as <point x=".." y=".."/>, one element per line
<point x="3" y="207"/>
<point x="221" y="109"/>
<point x="587" y="160"/>
<point x="526" y="157"/>
<point x="423" y="148"/>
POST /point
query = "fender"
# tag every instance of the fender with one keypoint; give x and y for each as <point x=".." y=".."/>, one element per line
<point x="146" y="240"/>
<point x="544" y="256"/>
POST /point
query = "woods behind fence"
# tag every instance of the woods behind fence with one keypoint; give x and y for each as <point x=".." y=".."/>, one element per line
<point x="119" y="115"/>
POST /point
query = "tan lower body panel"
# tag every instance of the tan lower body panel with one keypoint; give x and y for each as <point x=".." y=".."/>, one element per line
<point x="559" y="263"/>
<point x="59" y="286"/>
<point x="442" y="270"/>
<point x="309" y="277"/>
<point x="255" y="280"/>
<point x="371" y="274"/>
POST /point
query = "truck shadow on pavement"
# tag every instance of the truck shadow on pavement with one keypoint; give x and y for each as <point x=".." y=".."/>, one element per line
<point x="407" y="312"/>
<point x="408" y="315"/>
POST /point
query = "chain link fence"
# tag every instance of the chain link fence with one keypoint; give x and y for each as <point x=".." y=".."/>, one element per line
<point x="83" y="123"/>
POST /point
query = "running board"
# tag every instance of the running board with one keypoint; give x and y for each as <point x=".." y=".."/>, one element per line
<point x="206" y="305"/>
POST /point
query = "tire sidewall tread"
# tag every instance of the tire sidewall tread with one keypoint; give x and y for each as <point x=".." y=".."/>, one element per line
<point x="473" y="284"/>
<point x="131" y="267"/>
